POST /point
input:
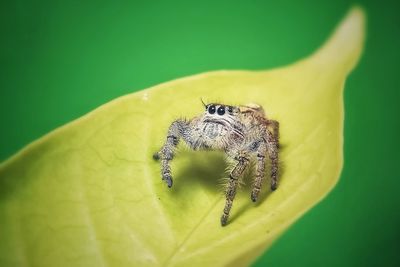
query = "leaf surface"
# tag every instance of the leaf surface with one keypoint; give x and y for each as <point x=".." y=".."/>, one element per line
<point x="89" y="193"/>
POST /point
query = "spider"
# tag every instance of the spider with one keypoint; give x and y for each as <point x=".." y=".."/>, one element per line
<point x="243" y="132"/>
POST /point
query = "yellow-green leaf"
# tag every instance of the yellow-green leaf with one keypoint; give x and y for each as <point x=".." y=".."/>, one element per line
<point x="89" y="193"/>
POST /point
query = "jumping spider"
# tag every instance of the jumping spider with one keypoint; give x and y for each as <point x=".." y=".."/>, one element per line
<point x="242" y="132"/>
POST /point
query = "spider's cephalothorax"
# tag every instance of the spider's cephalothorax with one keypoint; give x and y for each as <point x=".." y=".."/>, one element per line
<point x="242" y="132"/>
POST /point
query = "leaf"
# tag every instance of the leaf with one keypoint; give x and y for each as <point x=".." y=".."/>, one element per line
<point x="89" y="193"/>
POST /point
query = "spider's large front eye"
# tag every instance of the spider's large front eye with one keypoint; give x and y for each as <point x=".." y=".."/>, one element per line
<point x="221" y="111"/>
<point x="211" y="109"/>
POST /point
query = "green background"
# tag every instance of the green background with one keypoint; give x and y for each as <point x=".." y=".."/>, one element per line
<point x="61" y="59"/>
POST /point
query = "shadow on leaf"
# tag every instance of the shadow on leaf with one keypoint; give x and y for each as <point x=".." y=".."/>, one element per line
<point x="203" y="169"/>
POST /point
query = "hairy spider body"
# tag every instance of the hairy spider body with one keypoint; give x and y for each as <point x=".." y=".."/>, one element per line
<point x="242" y="132"/>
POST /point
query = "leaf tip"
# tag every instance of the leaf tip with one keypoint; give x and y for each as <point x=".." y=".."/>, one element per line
<point x="344" y="48"/>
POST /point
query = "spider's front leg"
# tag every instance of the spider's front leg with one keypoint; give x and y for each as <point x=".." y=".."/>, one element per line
<point x="260" y="171"/>
<point x="275" y="130"/>
<point x="178" y="129"/>
<point x="242" y="163"/>
<point x="273" y="153"/>
<point x="270" y="145"/>
<point x="273" y="156"/>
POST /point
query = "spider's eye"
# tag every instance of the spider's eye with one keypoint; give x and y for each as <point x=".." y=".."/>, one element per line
<point x="230" y="109"/>
<point x="211" y="109"/>
<point x="221" y="111"/>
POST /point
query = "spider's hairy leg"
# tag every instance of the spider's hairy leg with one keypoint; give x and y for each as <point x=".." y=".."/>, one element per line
<point x="272" y="148"/>
<point x="176" y="131"/>
<point x="275" y="128"/>
<point x="260" y="171"/>
<point x="242" y="163"/>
